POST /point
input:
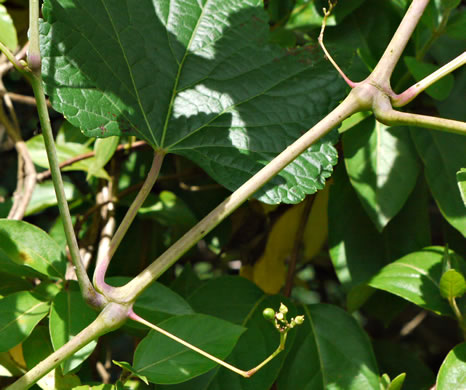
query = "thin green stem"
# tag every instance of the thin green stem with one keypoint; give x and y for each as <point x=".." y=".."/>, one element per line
<point x="408" y="95"/>
<point x="130" y="291"/>
<point x="90" y="295"/>
<point x="11" y="57"/>
<point x="320" y="39"/>
<point x="280" y="348"/>
<point x="101" y="267"/>
<point x="135" y="317"/>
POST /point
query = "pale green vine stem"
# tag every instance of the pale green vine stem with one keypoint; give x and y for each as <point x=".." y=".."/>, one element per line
<point x="384" y="113"/>
<point x="408" y="95"/>
<point x="131" y="290"/>
<point x="110" y="318"/>
<point x="135" y="317"/>
<point x="101" y="267"/>
<point x="384" y="69"/>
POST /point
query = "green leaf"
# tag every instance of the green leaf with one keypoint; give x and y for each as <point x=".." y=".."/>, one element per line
<point x="157" y="302"/>
<point x="415" y="277"/>
<point x="35" y="349"/>
<point x="452" y="284"/>
<point x="382" y="165"/>
<point x="196" y="79"/>
<point x="104" y="148"/>
<point x="418" y="375"/>
<point x="308" y="14"/>
<point x="331" y="351"/>
<point x="30" y="247"/>
<point x="397" y="383"/>
<point x="69" y="315"/>
<point x="461" y="179"/>
<point x="443" y="155"/>
<point x="441" y="89"/>
<point x="357" y="250"/>
<point x="168" y="209"/>
<point x="453" y="369"/>
<point x="126" y="366"/>
<point x="241" y="302"/>
<point x="456" y="25"/>
<point x="230" y="298"/>
<point x="165" y="361"/>
<point x="65" y="151"/>
<point x="19" y="314"/>
<point x="7" y="30"/>
<point x="11" y="284"/>
<point x="44" y="196"/>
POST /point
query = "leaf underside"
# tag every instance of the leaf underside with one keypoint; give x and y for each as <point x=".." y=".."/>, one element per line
<point x="195" y="78"/>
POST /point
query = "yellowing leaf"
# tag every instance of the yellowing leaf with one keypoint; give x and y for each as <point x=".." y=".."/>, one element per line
<point x="16" y="354"/>
<point x="316" y="230"/>
<point x="269" y="272"/>
<point x="247" y="271"/>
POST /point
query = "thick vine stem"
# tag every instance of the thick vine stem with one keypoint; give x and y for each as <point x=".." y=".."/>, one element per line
<point x="112" y="317"/>
<point x="101" y="267"/>
<point x="131" y="290"/>
<point x="384" y="113"/>
<point x="384" y="68"/>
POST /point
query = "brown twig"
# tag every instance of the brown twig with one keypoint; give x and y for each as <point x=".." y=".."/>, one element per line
<point x="309" y="201"/>
<point x="25" y="99"/>
<point x="46" y="174"/>
<point x="26" y="180"/>
<point x="5" y="66"/>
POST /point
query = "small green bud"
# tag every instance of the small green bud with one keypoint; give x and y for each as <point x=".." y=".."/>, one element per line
<point x="269" y="314"/>
<point x="283" y="309"/>
<point x="299" y="320"/>
<point x="279" y="316"/>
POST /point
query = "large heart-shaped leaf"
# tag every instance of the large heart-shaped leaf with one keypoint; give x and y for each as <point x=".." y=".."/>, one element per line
<point x="196" y="78"/>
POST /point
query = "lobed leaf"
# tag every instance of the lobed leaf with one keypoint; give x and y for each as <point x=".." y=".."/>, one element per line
<point x="195" y="78"/>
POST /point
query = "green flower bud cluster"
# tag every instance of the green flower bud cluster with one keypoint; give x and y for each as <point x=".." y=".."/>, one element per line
<point x="279" y="318"/>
